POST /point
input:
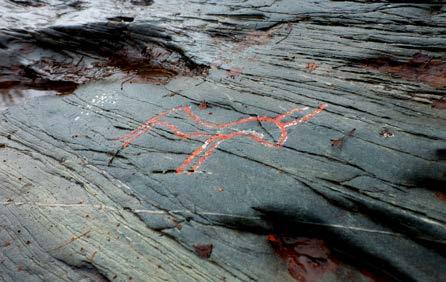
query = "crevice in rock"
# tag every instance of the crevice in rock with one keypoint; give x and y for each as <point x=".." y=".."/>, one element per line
<point x="88" y="270"/>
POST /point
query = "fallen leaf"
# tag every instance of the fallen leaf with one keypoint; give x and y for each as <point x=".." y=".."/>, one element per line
<point x="204" y="251"/>
<point x="386" y="133"/>
<point x="441" y="196"/>
<point x="441" y="104"/>
<point x="338" y="143"/>
<point x="312" y="67"/>
<point x="308" y="259"/>
<point x="420" y="68"/>
<point x="203" y="105"/>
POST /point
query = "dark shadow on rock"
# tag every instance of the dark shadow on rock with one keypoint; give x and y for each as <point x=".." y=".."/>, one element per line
<point x="142" y="2"/>
<point x="29" y="3"/>
<point x="288" y="224"/>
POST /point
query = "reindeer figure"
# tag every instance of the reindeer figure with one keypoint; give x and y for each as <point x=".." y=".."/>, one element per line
<point x="214" y="140"/>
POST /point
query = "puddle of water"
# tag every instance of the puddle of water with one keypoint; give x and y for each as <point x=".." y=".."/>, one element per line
<point x="51" y="72"/>
<point x="16" y="96"/>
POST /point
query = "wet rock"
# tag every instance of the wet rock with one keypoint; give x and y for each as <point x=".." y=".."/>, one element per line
<point x="420" y="67"/>
<point x="42" y="71"/>
<point x="92" y="208"/>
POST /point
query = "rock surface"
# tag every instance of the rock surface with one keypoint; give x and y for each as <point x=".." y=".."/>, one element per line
<point x="355" y="193"/>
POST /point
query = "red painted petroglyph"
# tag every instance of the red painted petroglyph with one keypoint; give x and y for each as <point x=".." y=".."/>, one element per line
<point x="212" y="141"/>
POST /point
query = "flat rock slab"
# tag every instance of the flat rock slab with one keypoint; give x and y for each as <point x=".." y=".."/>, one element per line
<point x="353" y="193"/>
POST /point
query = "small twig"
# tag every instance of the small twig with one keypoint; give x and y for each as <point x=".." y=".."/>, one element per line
<point x="74" y="238"/>
<point x="201" y="82"/>
<point x="127" y="80"/>
<point x="81" y="59"/>
<point x="113" y="156"/>
<point x="92" y="256"/>
<point x="287" y="35"/>
<point x="171" y="94"/>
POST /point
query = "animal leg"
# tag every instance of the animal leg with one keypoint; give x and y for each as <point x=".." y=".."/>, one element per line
<point x="206" y="155"/>
<point x="194" y="154"/>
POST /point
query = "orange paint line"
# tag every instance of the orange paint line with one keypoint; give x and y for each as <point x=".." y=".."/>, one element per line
<point x="214" y="140"/>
